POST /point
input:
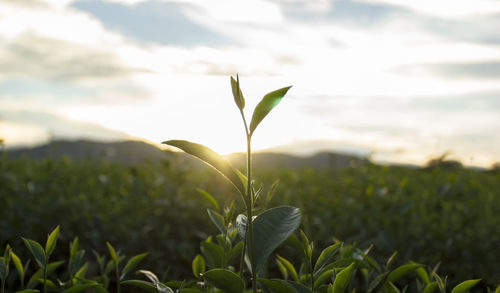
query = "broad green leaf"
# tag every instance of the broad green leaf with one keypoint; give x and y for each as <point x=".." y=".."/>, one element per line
<point x="326" y="256"/>
<point x="132" y="263"/>
<point x="148" y="286"/>
<point x="465" y="286"/>
<point x="37" y="251"/>
<point x="282" y="268"/>
<point x="422" y="274"/>
<point x="213" y="254"/>
<point x="50" y="245"/>
<point x="342" y="279"/>
<point x="289" y="267"/>
<point x="299" y="287"/>
<point x="211" y="158"/>
<point x="28" y="291"/>
<point x="198" y="266"/>
<point x="271" y="228"/>
<point x="498" y="289"/>
<point x="237" y="94"/>
<point x="265" y="106"/>
<point x="81" y="288"/>
<point x="218" y="220"/>
<point x="401" y="271"/>
<point x="278" y="285"/>
<point x="112" y="252"/>
<point x="19" y="266"/>
<point x="225" y="280"/>
<point x="209" y="197"/>
<point x="431" y="287"/>
<point x="51" y="267"/>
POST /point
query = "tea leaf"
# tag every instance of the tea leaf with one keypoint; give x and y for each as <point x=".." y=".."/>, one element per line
<point x="278" y="285"/>
<point x="37" y="251"/>
<point x="198" y="266"/>
<point x="218" y="220"/>
<point x="19" y="266"/>
<point x="132" y="263"/>
<point x="390" y="287"/>
<point x="148" y="286"/>
<point x="150" y="275"/>
<point x="271" y="228"/>
<point x="209" y="197"/>
<point x="326" y="255"/>
<point x="51" y="267"/>
<point x="465" y="286"/>
<point x="213" y="254"/>
<point x="28" y="291"/>
<point x="112" y="252"/>
<point x="431" y="287"/>
<point x="289" y="267"/>
<point x="211" y="158"/>
<point x="265" y="106"/>
<point x="399" y="272"/>
<point x="323" y="278"/>
<point x="225" y="280"/>
<point x="51" y="241"/>
<point x="81" y="288"/>
<point x="343" y="278"/>
<point x="237" y="94"/>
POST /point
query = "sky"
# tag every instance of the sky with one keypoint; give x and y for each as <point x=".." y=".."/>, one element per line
<point x="400" y="81"/>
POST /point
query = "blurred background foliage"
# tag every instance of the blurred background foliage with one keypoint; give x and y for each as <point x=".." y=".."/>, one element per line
<point x="443" y="213"/>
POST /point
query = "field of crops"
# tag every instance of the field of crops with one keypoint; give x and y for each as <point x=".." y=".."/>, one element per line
<point x="430" y="216"/>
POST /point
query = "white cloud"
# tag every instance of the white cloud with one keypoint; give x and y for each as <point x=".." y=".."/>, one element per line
<point x="445" y="8"/>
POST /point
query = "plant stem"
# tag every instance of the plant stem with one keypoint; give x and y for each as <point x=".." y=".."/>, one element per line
<point x="249" y="213"/>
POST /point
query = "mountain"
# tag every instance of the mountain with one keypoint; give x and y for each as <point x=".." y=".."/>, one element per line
<point x="139" y="151"/>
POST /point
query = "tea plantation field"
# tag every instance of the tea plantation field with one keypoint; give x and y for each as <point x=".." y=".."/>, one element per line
<point x="449" y="216"/>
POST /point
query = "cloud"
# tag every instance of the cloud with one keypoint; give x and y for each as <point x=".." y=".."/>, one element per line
<point x="159" y="22"/>
<point x="27" y="3"/>
<point x="50" y="126"/>
<point x="39" y="57"/>
<point x="478" y="70"/>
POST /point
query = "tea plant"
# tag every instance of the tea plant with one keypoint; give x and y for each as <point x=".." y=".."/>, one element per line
<point x="272" y="226"/>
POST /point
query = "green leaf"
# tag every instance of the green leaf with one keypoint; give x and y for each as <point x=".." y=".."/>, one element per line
<point x="218" y="220"/>
<point x="342" y="279"/>
<point x="272" y="190"/>
<point x="237" y="94"/>
<point x="132" y="263"/>
<point x="277" y="285"/>
<point x="323" y="278"/>
<point x="498" y="289"/>
<point x="73" y="248"/>
<point x="376" y="282"/>
<point x="235" y="252"/>
<point x="148" y="286"/>
<point x="28" y="291"/>
<point x="50" y="245"/>
<point x="401" y="271"/>
<point x="306" y="246"/>
<point x="37" y="251"/>
<point x="51" y="267"/>
<point x="326" y="256"/>
<point x="289" y="267"/>
<point x="211" y="158"/>
<point x="3" y="269"/>
<point x="225" y="280"/>
<point x="390" y="287"/>
<point x="465" y="286"/>
<point x="150" y="275"/>
<point x="271" y="228"/>
<point x="19" y="266"/>
<point x="209" y="197"/>
<point x="431" y="287"/>
<point x="112" y="252"/>
<point x="82" y="288"/>
<point x="265" y="106"/>
<point x="213" y="254"/>
<point x="422" y="274"/>
<point x="198" y="266"/>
